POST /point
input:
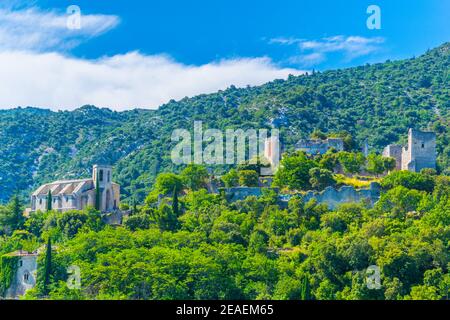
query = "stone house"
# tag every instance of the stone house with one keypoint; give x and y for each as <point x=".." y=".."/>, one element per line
<point x="25" y="276"/>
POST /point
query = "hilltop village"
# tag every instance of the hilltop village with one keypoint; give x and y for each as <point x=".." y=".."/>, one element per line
<point x="359" y="175"/>
<point x="419" y="154"/>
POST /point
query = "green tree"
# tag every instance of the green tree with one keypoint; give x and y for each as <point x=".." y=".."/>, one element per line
<point x="398" y="201"/>
<point x="167" y="182"/>
<point x="305" y="291"/>
<point x="11" y="216"/>
<point x="410" y="180"/>
<point x="329" y="160"/>
<point x="47" y="272"/>
<point x="98" y="196"/>
<point x="166" y="219"/>
<point x="321" y="178"/>
<point x="175" y="204"/>
<point x="389" y="164"/>
<point x="294" y="172"/>
<point x="351" y="162"/>
<point x="375" y="164"/>
<point x="248" y="178"/>
<point x="70" y="222"/>
<point x="318" y="135"/>
<point x="424" y="293"/>
<point x="138" y="221"/>
<point x="135" y="209"/>
<point x="231" y="179"/>
<point x="194" y="176"/>
<point x="17" y="213"/>
<point x="49" y="200"/>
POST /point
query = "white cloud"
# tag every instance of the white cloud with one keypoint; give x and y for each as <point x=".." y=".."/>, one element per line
<point x="351" y="46"/>
<point x="316" y="51"/>
<point x="34" y="72"/>
<point x="285" y="41"/>
<point x="37" y="30"/>
<point x="308" y="60"/>
<point x="120" y="82"/>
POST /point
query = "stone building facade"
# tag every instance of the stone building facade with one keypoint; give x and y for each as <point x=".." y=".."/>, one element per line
<point x="394" y="151"/>
<point x="419" y="154"/>
<point x="25" y="277"/>
<point x="78" y="194"/>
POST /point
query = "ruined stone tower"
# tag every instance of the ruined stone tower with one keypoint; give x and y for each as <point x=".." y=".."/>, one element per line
<point x="421" y="151"/>
<point x="419" y="154"/>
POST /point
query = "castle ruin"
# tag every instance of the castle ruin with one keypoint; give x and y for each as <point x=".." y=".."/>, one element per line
<point x="419" y="154"/>
<point x="315" y="146"/>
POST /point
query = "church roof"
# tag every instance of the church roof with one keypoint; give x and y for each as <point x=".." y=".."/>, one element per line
<point x="66" y="187"/>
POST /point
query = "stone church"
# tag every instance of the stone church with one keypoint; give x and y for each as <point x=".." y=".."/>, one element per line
<point x="78" y="194"/>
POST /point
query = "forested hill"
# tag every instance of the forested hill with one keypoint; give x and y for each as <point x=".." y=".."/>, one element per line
<point x="375" y="102"/>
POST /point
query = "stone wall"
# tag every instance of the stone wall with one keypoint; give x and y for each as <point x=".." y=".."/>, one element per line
<point x="330" y="196"/>
<point x="347" y="194"/>
<point x="241" y="193"/>
<point x="394" y="151"/>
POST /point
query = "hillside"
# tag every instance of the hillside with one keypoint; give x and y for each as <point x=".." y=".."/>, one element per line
<point x="375" y="102"/>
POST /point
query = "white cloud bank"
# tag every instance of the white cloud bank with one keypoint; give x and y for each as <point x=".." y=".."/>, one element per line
<point x="120" y="82"/>
<point x="34" y="72"/>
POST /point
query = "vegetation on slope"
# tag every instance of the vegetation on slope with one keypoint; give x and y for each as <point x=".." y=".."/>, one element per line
<point x="206" y="248"/>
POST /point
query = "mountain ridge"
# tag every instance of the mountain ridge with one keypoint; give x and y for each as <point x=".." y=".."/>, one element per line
<point x="377" y="102"/>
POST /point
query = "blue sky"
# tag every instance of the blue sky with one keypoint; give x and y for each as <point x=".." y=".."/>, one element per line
<point x="209" y="44"/>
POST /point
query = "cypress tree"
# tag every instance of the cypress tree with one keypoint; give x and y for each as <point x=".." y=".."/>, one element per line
<point x="175" y="205"/>
<point x="49" y="200"/>
<point x="47" y="267"/>
<point x="97" y="195"/>
<point x="134" y="206"/>
<point x="305" y="290"/>
<point x="17" y="214"/>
